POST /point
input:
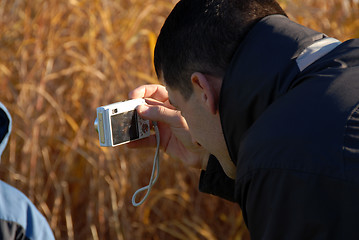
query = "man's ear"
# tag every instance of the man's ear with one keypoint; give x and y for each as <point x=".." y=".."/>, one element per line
<point x="204" y="86"/>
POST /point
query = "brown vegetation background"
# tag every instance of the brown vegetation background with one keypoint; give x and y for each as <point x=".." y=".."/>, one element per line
<point x="59" y="60"/>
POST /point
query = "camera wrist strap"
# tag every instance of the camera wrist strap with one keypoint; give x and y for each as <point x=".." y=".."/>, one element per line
<point x="154" y="174"/>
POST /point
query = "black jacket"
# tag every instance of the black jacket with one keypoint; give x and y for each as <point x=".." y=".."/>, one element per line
<point x="292" y="129"/>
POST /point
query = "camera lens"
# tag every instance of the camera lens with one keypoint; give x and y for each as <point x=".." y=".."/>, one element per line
<point x="96" y="124"/>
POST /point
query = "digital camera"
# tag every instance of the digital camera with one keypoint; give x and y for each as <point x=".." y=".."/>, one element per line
<point x="119" y="123"/>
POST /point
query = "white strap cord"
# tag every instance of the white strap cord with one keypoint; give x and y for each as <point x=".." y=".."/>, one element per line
<point x="154" y="174"/>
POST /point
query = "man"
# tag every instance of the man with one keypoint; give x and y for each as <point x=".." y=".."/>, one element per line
<point x="267" y="108"/>
<point x="19" y="218"/>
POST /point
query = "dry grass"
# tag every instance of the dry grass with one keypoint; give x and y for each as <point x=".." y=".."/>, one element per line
<point x="60" y="60"/>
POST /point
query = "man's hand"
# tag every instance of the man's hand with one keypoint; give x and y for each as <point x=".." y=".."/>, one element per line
<point x="174" y="133"/>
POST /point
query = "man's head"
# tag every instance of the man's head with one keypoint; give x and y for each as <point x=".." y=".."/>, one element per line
<point x="193" y="51"/>
<point x="202" y="36"/>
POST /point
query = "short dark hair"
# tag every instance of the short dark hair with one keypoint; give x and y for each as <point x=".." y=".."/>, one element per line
<point x="202" y="36"/>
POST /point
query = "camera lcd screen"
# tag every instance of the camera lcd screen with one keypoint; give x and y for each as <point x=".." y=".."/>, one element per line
<point x="124" y="127"/>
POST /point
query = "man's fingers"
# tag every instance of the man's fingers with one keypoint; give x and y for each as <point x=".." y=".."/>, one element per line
<point x="161" y="114"/>
<point x="154" y="91"/>
<point x="151" y="101"/>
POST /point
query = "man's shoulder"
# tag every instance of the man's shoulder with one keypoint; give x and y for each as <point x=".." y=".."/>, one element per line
<point x="304" y="131"/>
<point x="18" y="212"/>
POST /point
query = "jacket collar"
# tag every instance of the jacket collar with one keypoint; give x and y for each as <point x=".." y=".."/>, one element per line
<point x="263" y="69"/>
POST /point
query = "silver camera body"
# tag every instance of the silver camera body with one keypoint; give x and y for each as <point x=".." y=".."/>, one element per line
<point x="119" y="123"/>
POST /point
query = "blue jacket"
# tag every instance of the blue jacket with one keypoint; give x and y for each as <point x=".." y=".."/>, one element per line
<point x="19" y="218"/>
<point x="289" y="110"/>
